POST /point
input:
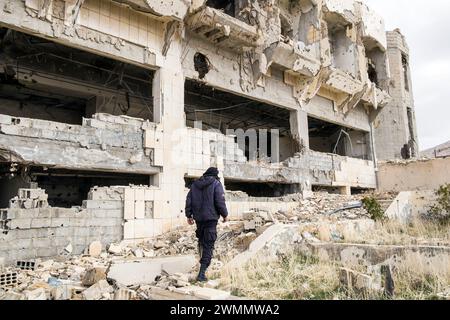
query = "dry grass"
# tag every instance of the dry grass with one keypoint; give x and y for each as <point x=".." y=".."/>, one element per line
<point x="418" y="278"/>
<point x="292" y="277"/>
<point x="305" y="278"/>
<point x="417" y="231"/>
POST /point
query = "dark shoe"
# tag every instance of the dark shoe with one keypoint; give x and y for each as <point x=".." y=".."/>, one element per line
<point x="201" y="274"/>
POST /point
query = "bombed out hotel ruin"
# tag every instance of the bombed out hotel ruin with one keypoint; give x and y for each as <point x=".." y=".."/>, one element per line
<point x="109" y="109"/>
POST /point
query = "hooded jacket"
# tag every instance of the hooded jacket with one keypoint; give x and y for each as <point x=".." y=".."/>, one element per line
<point x="206" y="200"/>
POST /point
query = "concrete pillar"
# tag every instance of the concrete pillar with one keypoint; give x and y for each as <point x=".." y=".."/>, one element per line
<point x="298" y="121"/>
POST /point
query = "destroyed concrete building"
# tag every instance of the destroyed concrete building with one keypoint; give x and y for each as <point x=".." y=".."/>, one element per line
<point x="105" y="108"/>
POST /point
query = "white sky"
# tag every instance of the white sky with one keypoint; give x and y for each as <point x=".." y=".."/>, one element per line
<point x="426" y="25"/>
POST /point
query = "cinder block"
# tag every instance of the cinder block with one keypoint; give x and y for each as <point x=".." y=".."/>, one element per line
<point x="129" y="194"/>
<point x="103" y="204"/>
<point x="41" y="223"/>
<point x="20" y="224"/>
<point x="158" y="209"/>
<point x="149" y="138"/>
<point x="42" y="242"/>
<point x="59" y="222"/>
<point x="158" y="157"/>
<point x="128" y="211"/>
<point x="139" y="194"/>
<point x="149" y="194"/>
<point x="139" y="209"/>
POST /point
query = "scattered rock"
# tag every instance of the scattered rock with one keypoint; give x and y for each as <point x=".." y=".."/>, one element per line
<point x="93" y="276"/>
<point x="115" y="248"/>
<point x="98" y="291"/>
<point x="95" y="249"/>
<point x="37" y="294"/>
<point x="212" y="284"/>
<point x="138" y="253"/>
<point x="68" y="249"/>
<point x="124" y="294"/>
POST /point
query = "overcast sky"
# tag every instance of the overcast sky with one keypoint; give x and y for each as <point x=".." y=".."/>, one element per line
<point x="426" y="25"/>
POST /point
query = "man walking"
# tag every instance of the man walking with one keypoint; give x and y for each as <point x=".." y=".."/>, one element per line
<point x="205" y="203"/>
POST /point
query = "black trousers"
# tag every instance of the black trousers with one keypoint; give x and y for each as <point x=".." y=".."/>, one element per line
<point x="207" y="235"/>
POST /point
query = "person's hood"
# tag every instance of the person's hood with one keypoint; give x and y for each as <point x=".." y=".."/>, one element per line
<point x="204" y="182"/>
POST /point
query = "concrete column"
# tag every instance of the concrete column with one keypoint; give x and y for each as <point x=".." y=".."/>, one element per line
<point x="298" y="120"/>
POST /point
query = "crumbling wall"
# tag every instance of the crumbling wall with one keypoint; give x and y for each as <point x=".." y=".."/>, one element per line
<point x="413" y="175"/>
<point x="395" y="126"/>
<point x="31" y="229"/>
<point x="102" y="143"/>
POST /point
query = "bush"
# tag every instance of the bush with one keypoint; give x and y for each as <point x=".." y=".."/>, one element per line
<point x="374" y="209"/>
<point x="441" y="211"/>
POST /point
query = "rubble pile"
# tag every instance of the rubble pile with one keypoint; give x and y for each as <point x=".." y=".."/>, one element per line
<point x="324" y="206"/>
<point x="86" y="276"/>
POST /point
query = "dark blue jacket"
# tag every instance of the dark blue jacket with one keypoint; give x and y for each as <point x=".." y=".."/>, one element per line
<point x="206" y="200"/>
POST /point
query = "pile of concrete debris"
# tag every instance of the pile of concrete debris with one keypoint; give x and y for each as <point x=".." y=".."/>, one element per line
<point x="168" y="262"/>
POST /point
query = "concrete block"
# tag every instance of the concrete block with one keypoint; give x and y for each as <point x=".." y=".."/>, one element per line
<point x="92" y="276"/>
<point x="103" y="204"/>
<point x="149" y="138"/>
<point x="129" y="194"/>
<point x="128" y="210"/>
<point x="143" y="271"/>
<point x="4" y="119"/>
<point x="158" y="209"/>
<point x="149" y="194"/>
<point x="59" y="222"/>
<point x="97" y="291"/>
<point x="95" y="249"/>
<point x="158" y="157"/>
<point x="20" y="224"/>
<point x="137" y="229"/>
<point x="139" y="209"/>
<point x="139" y="194"/>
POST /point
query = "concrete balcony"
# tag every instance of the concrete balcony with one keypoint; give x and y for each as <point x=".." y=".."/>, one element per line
<point x="170" y="10"/>
<point x="379" y="100"/>
<point x="224" y="30"/>
<point x="341" y="82"/>
<point x="294" y="58"/>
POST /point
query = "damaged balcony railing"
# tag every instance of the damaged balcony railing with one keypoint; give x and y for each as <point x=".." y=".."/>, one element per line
<point x="224" y="30"/>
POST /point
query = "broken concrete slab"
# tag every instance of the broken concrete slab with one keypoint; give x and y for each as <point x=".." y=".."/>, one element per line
<point x="260" y="243"/>
<point x="356" y="281"/>
<point x="37" y="294"/>
<point x="98" y="290"/>
<point x="124" y="294"/>
<point x="115" y="248"/>
<point x="144" y="271"/>
<point x="203" y="293"/>
<point x="93" y="276"/>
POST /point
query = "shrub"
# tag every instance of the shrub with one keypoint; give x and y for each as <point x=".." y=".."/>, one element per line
<point x="374" y="209"/>
<point x="441" y="211"/>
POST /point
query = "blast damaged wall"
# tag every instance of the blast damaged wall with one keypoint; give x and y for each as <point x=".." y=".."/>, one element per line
<point x="111" y="108"/>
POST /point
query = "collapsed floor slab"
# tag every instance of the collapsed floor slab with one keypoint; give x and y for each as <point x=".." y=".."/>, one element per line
<point x="144" y="271"/>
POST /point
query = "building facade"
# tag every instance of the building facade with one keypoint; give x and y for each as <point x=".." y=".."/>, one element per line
<point x="109" y="109"/>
